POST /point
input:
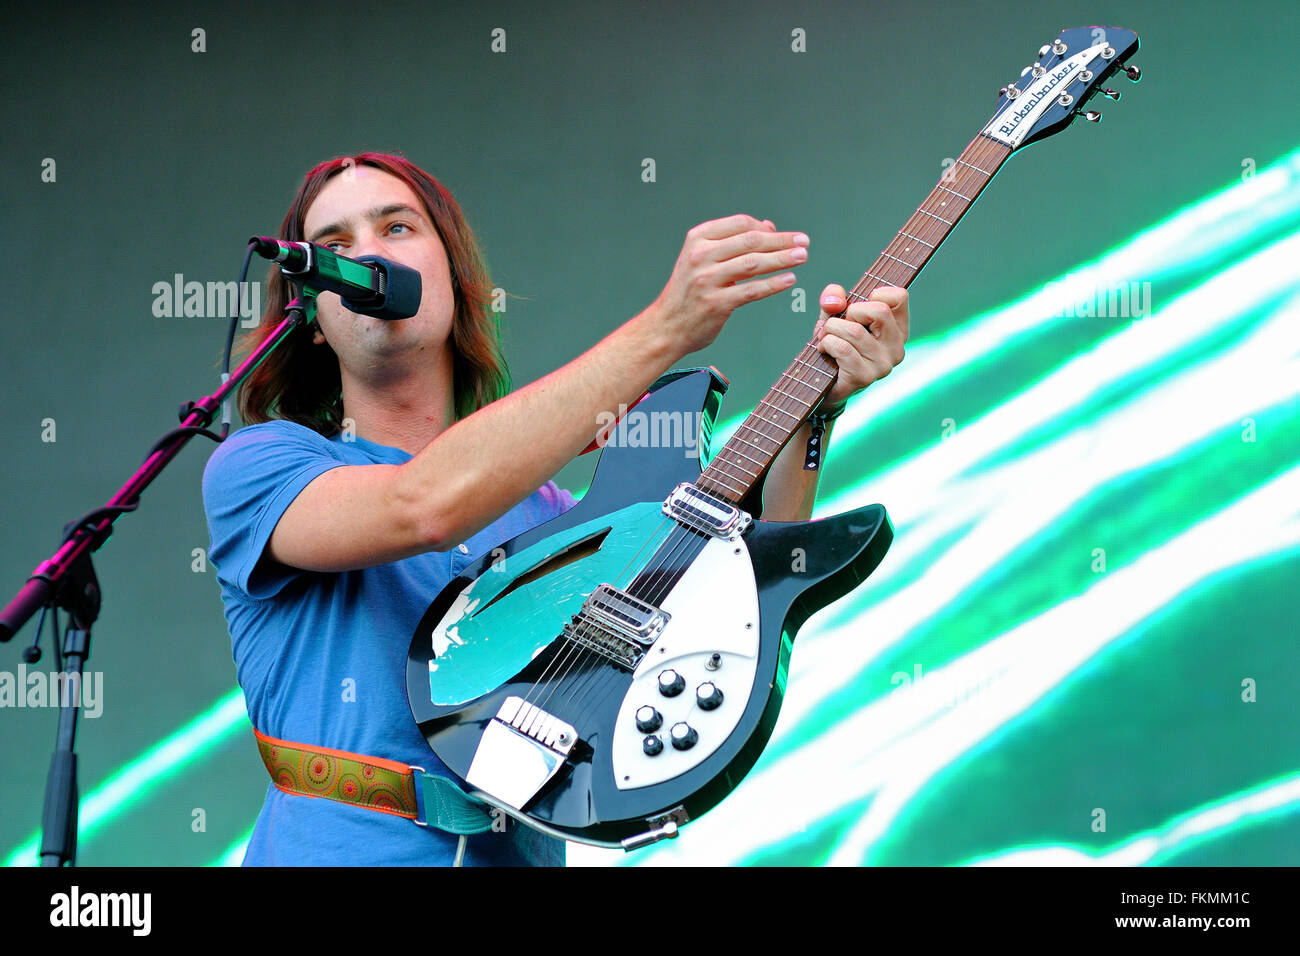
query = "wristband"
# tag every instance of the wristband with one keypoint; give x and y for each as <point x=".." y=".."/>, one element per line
<point x="819" y="420"/>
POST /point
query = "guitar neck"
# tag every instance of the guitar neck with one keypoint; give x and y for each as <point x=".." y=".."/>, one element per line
<point x="741" y="463"/>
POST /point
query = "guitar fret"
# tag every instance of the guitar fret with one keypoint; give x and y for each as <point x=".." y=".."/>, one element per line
<point x="736" y="464"/>
<point x="713" y="478"/>
<point x="754" y="431"/>
<point x="814" y="367"/>
<point x="899" y="261"/>
<point x="766" y="422"/>
<point x="918" y="239"/>
<point x="779" y="409"/>
<point x="737" y="451"/>
<point x="933" y="216"/>
<point x="955" y="193"/>
<point x="976" y="168"/>
<point x="795" y="397"/>
<point x="795" y="379"/>
<point x="809" y="391"/>
<point x="717" y="468"/>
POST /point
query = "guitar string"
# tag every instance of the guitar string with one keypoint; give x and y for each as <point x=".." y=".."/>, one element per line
<point x="669" y="565"/>
<point x="574" y="653"/>
<point x="684" y="535"/>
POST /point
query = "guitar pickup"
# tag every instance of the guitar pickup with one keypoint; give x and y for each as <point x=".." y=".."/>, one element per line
<point x="625" y="615"/>
<point x="700" y="511"/>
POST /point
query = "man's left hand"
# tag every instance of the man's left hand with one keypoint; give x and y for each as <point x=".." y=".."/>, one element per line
<point x="866" y="342"/>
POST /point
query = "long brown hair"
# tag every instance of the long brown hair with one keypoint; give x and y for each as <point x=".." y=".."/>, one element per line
<point x="300" y="382"/>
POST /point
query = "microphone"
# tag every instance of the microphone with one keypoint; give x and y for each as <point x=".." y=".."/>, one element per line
<point x="367" y="285"/>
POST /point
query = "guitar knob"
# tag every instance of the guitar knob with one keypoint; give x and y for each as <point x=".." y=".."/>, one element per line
<point x="683" y="735"/>
<point x="708" y="696"/>
<point x="1133" y="73"/>
<point x="1110" y="94"/>
<point x="652" y="746"/>
<point x="1092" y="116"/>
<point x="671" y="683"/>
<point x="648" y="720"/>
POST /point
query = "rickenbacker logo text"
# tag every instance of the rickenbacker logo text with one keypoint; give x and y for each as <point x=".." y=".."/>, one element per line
<point x="1036" y="96"/>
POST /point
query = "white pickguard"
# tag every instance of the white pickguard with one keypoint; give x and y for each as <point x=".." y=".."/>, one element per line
<point x="714" y="609"/>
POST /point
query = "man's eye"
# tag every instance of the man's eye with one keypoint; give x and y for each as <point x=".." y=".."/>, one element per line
<point x="331" y="244"/>
<point x="399" y="225"/>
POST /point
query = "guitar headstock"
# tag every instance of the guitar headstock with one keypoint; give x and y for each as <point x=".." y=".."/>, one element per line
<point x="1050" y="92"/>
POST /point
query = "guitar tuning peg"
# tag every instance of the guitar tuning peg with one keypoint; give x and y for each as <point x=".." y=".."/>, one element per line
<point x="1133" y="73"/>
<point x="1110" y="94"/>
<point x="1092" y="116"/>
<point x="1043" y="50"/>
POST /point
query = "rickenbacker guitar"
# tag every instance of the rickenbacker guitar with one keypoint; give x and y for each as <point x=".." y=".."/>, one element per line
<point x="615" y="672"/>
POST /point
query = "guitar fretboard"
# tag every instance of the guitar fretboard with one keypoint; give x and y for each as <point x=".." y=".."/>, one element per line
<point x="739" y="465"/>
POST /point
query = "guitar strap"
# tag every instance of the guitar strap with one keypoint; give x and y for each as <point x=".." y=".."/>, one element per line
<point x="385" y="786"/>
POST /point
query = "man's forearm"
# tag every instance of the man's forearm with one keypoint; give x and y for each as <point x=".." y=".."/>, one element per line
<point x="790" y="490"/>
<point x="483" y="465"/>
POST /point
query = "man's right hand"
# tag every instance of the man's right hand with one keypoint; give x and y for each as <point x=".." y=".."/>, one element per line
<point x="707" y="283"/>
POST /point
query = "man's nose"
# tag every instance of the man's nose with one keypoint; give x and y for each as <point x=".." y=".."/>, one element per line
<point x="366" y="244"/>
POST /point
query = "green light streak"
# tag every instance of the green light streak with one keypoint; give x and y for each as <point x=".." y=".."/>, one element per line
<point x="1220" y="818"/>
<point x="234" y="854"/>
<point x="140" y="778"/>
<point x="1004" y="509"/>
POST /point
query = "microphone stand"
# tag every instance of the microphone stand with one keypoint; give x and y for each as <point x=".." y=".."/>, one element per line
<point x="67" y="580"/>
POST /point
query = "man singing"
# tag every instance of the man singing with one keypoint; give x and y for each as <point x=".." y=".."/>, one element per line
<point x="381" y="458"/>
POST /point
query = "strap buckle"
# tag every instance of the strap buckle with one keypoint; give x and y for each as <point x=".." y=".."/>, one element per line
<point x="419" y="797"/>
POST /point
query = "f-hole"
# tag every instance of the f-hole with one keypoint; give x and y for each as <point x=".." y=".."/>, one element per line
<point x="574" y="552"/>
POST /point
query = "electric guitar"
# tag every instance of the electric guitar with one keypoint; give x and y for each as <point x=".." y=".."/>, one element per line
<point x="615" y="672"/>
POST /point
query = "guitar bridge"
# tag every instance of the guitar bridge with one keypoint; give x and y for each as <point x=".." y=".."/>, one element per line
<point x="616" y="625"/>
<point x="608" y="645"/>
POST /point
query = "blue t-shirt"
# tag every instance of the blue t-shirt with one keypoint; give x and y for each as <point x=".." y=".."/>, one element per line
<point x="321" y="657"/>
